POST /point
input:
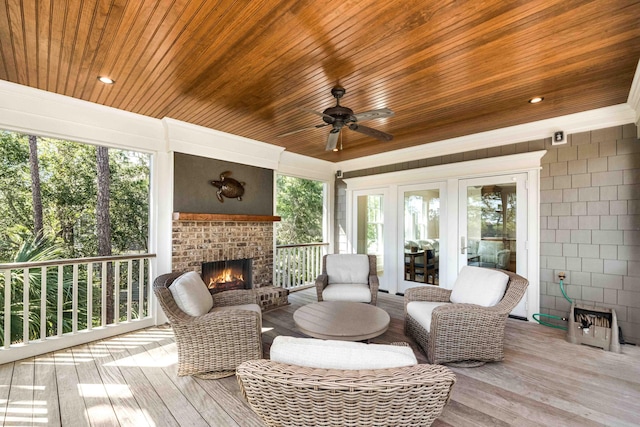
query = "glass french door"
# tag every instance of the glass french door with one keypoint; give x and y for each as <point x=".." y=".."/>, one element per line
<point x="420" y="248"/>
<point x="370" y="233"/>
<point x="493" y="225"/>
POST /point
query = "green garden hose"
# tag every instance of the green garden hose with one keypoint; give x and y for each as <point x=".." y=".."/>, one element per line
<point x="536" y="316"/>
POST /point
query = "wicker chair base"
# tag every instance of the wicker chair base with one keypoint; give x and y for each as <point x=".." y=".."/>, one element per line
<point x="466" y="364"/>
<point x="441" y="355"/>
<point x="215" y="375"/>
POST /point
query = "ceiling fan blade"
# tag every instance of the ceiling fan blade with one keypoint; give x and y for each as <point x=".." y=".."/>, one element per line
<point x="383" y="136"/>
<point x="317" y="113"/>
<point x="332" y="140"/>
<point x="373" y="114"/>
<point x="303" y="129"/>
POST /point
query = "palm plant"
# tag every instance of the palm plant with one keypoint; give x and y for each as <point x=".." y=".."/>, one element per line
<point x="34" y="249"/>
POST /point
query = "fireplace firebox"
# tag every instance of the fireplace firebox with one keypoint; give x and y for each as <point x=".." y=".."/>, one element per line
<point x="227" y="275"/>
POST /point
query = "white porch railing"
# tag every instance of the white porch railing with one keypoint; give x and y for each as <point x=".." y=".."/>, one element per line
<point x="298" y="266"/>
<point x="54" y="304"/>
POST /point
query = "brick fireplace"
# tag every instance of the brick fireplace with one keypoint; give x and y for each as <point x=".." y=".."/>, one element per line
<point x="198" y="238"/>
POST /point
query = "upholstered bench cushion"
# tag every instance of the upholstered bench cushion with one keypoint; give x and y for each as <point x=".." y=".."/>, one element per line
<point x="421" y="311"/>
<point x="480" y="286"/>
<point x="354" y="292"/>
<point x="331" y="354"/>
<point x="191" y="294"/>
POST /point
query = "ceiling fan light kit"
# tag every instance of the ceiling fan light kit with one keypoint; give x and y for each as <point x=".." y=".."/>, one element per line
<point x="339" y="116"/>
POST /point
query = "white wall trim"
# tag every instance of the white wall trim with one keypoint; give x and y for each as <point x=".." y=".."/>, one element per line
<point x="573" y="123"/>
<point x="634" y="96"/>
<point x="483" y="167"/>
<point x="187" y="138"/>
<point x="300" y="166"/>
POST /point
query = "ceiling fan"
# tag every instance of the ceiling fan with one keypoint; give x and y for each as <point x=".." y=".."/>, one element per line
<point x="339" y="117"/>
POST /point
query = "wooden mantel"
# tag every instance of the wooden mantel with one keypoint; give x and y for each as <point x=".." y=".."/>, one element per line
<point x="187" y="216"/>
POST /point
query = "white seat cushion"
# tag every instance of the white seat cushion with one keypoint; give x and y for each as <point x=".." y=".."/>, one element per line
<point x="421" y="311"/>
<point x="353" y="292"/>
<point x="332" y="354"/>
<point x="250" y="307"/>
<point x="191" y="294"/>
<point x="480" y="286"/>
<point x="348" y="268"/>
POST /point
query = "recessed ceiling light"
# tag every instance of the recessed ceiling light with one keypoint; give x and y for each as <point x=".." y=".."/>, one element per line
<point x="106" y="80"/>
<point x="536" y="100"/>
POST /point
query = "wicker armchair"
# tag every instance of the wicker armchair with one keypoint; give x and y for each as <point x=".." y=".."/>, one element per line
<point x="287" y="395"/>
<point x="352" y="292"/>
<point x="466" y="334"/>
<point x="213" y="345"/>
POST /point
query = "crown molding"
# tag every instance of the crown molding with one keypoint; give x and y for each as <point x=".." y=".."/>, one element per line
<point x="573" y="123"/>
<point x="188" y="138"/>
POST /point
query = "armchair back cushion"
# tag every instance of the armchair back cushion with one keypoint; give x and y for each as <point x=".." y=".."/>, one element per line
<point x="480" y="286"/>
<point x="331" y="354"/>
<point x="191" y="294"/>
<point x="348" y="268"/>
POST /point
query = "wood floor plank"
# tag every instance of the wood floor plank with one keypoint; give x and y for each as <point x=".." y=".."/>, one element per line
<point x="20" y="406"/>
<point x="73" y="411"/>
<point x="45" y="393"/>
<point x="6" y="374"/>
<point x="93" y="388"/>
<point x="210" y="409"/>
<point x="179" y="406"/>
<point x="154" y="410"/>
<point x="123" y="401"/>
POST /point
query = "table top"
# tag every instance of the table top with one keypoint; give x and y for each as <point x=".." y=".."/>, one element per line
<point x="341" y="320"/>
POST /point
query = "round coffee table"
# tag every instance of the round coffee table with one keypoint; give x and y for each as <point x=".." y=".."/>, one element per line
<point x="341" y="320"/>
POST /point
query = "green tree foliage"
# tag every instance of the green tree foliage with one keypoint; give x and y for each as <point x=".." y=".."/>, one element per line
<point x="299" y="203"/>
<point x="69" y="194"/>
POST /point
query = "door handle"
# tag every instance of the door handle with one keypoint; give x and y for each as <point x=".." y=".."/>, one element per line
<point x="463" y="247"/>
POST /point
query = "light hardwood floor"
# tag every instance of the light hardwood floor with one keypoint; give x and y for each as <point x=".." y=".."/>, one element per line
<point x="131" y="380"/>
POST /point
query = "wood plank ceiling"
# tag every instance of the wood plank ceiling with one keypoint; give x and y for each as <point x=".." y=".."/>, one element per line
<point x="447" y="68"/>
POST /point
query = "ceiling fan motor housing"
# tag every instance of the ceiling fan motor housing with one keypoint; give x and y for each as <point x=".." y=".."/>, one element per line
<point x="338" y="114"/>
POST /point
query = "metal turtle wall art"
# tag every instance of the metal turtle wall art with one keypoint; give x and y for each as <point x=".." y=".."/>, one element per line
<point x="228" y="187"/>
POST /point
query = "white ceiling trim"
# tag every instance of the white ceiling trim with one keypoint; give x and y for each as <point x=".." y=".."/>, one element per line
<point x="37" y="112"/>
<point x="300" y="166"/>
<point x="634" y="96"/>
<point x="188" y="138"/>
<point x="573" y="123"/>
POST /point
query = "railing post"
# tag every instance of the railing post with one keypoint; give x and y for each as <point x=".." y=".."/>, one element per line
<point x="74" y="300"/>
<point x="103" y="296"/>
<point x="116" y="292"/>
<point x="43" y="303"/>
<point x="140" y="288"/>
<point x="89" y="296"/>
<point x="59" y="330"/>
<point x="7" y="308"/>
<point x="25" y="306"/>
<point x="129" y="294"/>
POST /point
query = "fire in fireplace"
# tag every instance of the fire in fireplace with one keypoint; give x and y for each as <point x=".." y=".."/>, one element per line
<point x="227" y="275"/>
